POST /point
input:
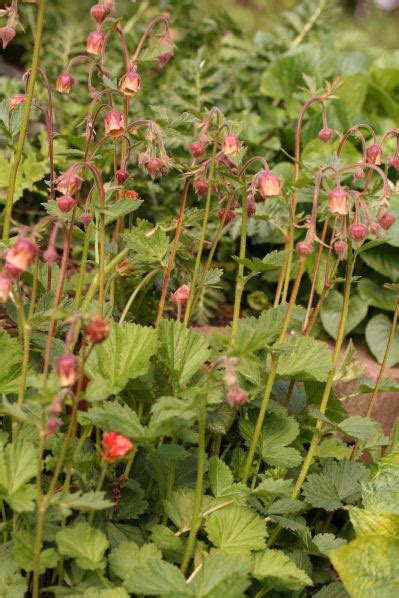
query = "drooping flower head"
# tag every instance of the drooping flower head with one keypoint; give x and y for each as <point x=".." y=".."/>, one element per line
<point x="15" y="100"/>
<point x="231" y="145"/>
<point x="20" y="256"/>
<point x="64" y="82"/>
<point x="181" y="294"/>
<point x="67" y="369"/>
<point x="130" y="82"/>
<point x="95" y="43"/>
<point x="338" y="202"/>
<point x="116" y="446"/>
<point x="97" y="330"/>
<point x="269" y="184"/>
<point x="114" y="123"/>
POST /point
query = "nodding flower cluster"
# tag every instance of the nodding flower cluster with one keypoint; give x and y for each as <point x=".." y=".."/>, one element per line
<point x="236" y="395"/>
<point x="351" y="218"/>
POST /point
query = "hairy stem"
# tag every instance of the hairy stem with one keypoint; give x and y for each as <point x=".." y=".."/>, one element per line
<point x="240" y="272"/>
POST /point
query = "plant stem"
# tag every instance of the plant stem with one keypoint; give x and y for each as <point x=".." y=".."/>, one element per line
<point x="187" y="315"/>
<point x="95" y="281"/>
<point x="171" y="260"/>
<point x="41" y="509"/>
<point x="272" y="375"/>
<point x="136" y="291"/>
<point x="104" y="468"/>
<point x="83" y="264"/>
<point x="374" y="396"/>
<point x="25" y="121"/>
<point x="240" y="272"/>
<point x="195" y="520"/>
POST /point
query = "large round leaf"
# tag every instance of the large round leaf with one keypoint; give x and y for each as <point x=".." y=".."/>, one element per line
<point x="384" y="259"/>
<point x="375" y="294"/>
<point x="377" y="333"/>
<point x="331" y="310"/>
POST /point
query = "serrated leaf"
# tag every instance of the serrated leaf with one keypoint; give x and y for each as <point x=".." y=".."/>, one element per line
<point x="12" y="583"/>
<point x="367" y="430"/>
<point x="83" y="543"/>
<point x="272" y="260"/>
<point x="332" y="590"/>
<point x="367" y="523"/>
<point x="179" y="507"/>
<point x="129" y="555"/>
<point x="24" y="550"/>
<point x="327" y="542"/>
<point x="235" y="529"/>
<point x="304" y="359"/>
<point x="157" y="578"/>
<point x="121" y="208"/>
<point x="269" y="488"/>
<point x="220" y="476"/>
<point x="369" y="566"/>
<point x="280" y="571"/>
<point x="222" y="575"/>
<point x="330" y="313"/>
<point x="89" y="501"/>
<point x="376" y="295"/>
<point x="112" y="416"/>
<point x="10" y="365"/>
<point x="377" y="333"/>
<point x="123" y="356"/>
<point x="17" y="467"/>
<point x="383" y="259"/>
<point x="182" y="350"/>
<point x="149" y="248"/>
<point x="381" y="493"/>
<point x="169" y="415"/>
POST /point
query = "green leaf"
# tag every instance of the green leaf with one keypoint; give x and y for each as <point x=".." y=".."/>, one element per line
<point x="89" y="501"/>
<point x="331" y="310"/>
<point x="269" y="488"/>
<point x="365" y="429"/>
<point x="121" y="208"/>
<point x="327" y="542"/>
<point x="377" y="334"/>
<point x="33" y="169"/>
<point x="112" y="416"/>
<point x="376" y="295"/>
<point x="332" y="590"/>
<point x="304" y="358"/>
<point x="83" y="543"/>
<point x="235" y="529"/>
<point x="157" y="578"/>
<point x="384" y="260"/>
<point x="128" y="555"/>
<point x="10" y="364"/>
<point x="381" y="493"/>
<point x="179" y="507"/>
<point x="170" y="415"/>
<point x="169" y="544"/>
<point x="274" y="259"/>
<point x="220" y="476"/>
<point x="149" y="247"/>
<point x="366" y="523"/>
<point x="17" y="467"/>
<point x="182" y="350"/>
<point x="222" y="575"/>
<point x="124" y="356"/>
<point x="12" y="584"/>
<point x="369" y="566"/>
<point x="339" y="482"/>
<point x="24" y="550"/>
<point x="280" y="571"/>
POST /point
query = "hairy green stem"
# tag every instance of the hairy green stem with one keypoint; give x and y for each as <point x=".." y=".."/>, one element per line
<point x="83" y="264"/>
<point x="136" y="291"/>
<point x="25" y="121"/>
<point x="41" y="509"/>
<point x="240" y="272"/>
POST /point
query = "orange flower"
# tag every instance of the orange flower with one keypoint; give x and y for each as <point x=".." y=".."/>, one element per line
<point x="269" y="185"/>
<point x="116" y="446"/>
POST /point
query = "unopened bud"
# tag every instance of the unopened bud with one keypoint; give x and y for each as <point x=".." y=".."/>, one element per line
<point x="269" y="184"/>
<point x="130" y="82"/>
<point x="340" y="248"/>
<point x="66" y="203"/>
<point x="15" y="100"/>
<point x="227" y="215"/>
<point x="251" y="206"/>
<point x="359" y="174"/>
<point x="97" y="330"/>
<point x="237" y="396"/>
<point x="50" y="255"/>
<point x="154" y="166"/>
<point x="304" y="248"/>
<point x="374" y="154"/>
<point x="85" y="219"/>
<point x="122" y="175"/>
<point x="64" y="82"/>
<point x="53" y="424"/>
<point x="114" y="123"/>
<point x="325" y="134"/>
<point x="66" y="368"/>
<point x="99" y="12"/>
<point x="181" y="294"/>
<point x="95" y="43"/>
<point x="132" y="194"/>
<point x="375" y="229"/>
<point x="200" y="186"/>
<point x="7" y="34"/>
<point x="386" y="219"/>
<point x="231" y="145"/>
<point x="358" y="231"/>
<point x="197" y="148"/>
<point x="393" y="162"/>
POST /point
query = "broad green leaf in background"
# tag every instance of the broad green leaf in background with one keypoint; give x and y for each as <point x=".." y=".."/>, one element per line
<point x="366" y="523"/>
<point x="17" y="467"/>
<point x="381" y="493"/>
<point x="369" y="566"/>
<point x="377" y="333"/>
<point x="89" y="501"/>
<point x="12" y="583"/>
<point x="384" y="259"/>
<point x="108" y="593"/>
<point x="222" y="482"/>
<point x="24" y="550"/>
<point x="305" y="359"/>
<point x="236" y="529"/>
<point x="157" y="578"/>
<point x="121" y="208"/>
<point x="33" y="169"/>
<point x="149" y="247"/>
<point x="125" y="355"/>
<point x="280" y="571"/>
<point x="129" y="555"/>
<point x="85" y="544"/>
<point x="10" y="364"/>
<point x="376" y="294"/>
<point x="182" y="350"/>
<point x="367" y="430"/>
<point x="222" y="575"/>
<point x="179" y="507"/>
<point x="338" y="483"/>
<point x="331" y="310"/>
<point x="115" y="417"/>
<point x="170" y="415"/>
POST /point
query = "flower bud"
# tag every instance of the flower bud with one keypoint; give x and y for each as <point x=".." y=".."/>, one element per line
<point x="56" y="406"/>
<point x="95" y="42"/>
<point x="132" y="194"/>
<point x="269" y="184"/>
<point x="231" y="145"/>
<point x="53" y="424"/>
<point x="143" y="159"/>
<point x="251" y="206"/>
<point x="154" y="166"/>
<point x="386" y="219"/>
<point x="200" y="187"/>
<point x="5" y="287"/>
<point x="359" y="174"/>
<point x="374" y="154"/>
<point x="340" y="248"/>
<point x="375" y="229"/>
<point x="358" y="231"/>
<point x="164" y="58"/>
<point x="338" y="202"/>
<point x="15" y="100"/>
<point x="66" y="203"/>
<point x="97" y="330"/>
<point x="114" y="123"/>
<point x="325" y="134"/>
<point x="50" y="255"/>
<point x="69" y="184"/>
<point x="228" y="215"/>
<point x="197" y="148"/>
<point x="122" y="175"/>
<point x="20" y="256"/>
<point x="304" y="248"/>
<point x="115" y="446"/>
<point x="393" y="162"/>
<point x="181" y="294"/>
<point x="7" y="34"/>
<point x="64" y="82"/>
<point x="124" y="268"/>
<point x="66" y="368"/>
<point x="110" y="5"/>
<point x="237" y="396"/>
<point x="85" y="219"/>
<point x="130" y="82"/>
<point x="99" y="12"/>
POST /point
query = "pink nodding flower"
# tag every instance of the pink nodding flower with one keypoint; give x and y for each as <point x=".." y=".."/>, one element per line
<point x="121" y="175"/>
<point x="64" y="82"/>
<point x="197" y="148"/>
<point x="15" y="100"/>
<point x="95" y="42"/>
<point x="375" y="229"/>
<point x="50" y="255"/>
<point x="154" y="166"/>
<point x="53" y="423"/>
<point x="99" y="13"/>
<point x="116" y="446"/>
<point x="67" y="369"/>
<point x="85" y="219"/>
<point x="97" y="330"/>
<point x="386" y="219"/>
<point x="231" y="145"/>
<point x="269" y="184"/>
<point x="7" y="34"/>
<point x="69" y="184"/>
<point x="237" y="396"/>
<point x="325" y="134"/>
<point x="5" y="287"/>
<point x="304" y="248"/>
<point x="230" y="215"/>
<point x="20" y="256"/>
<point x="393" y="162"/>
<point x="66" y="203"/>
<point x="358" y="231"/>
<point x="338" y="202"/>
<point x="114" y="123"/>
<point x="340" y="248"/>
<point x="359" y="174"/>
<point x="181" y="294"/>
<point x="251" y="206"/>
<point x="200" y="186"/>
<point x="374" y="154"/>
<point x="130" y="82"/>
